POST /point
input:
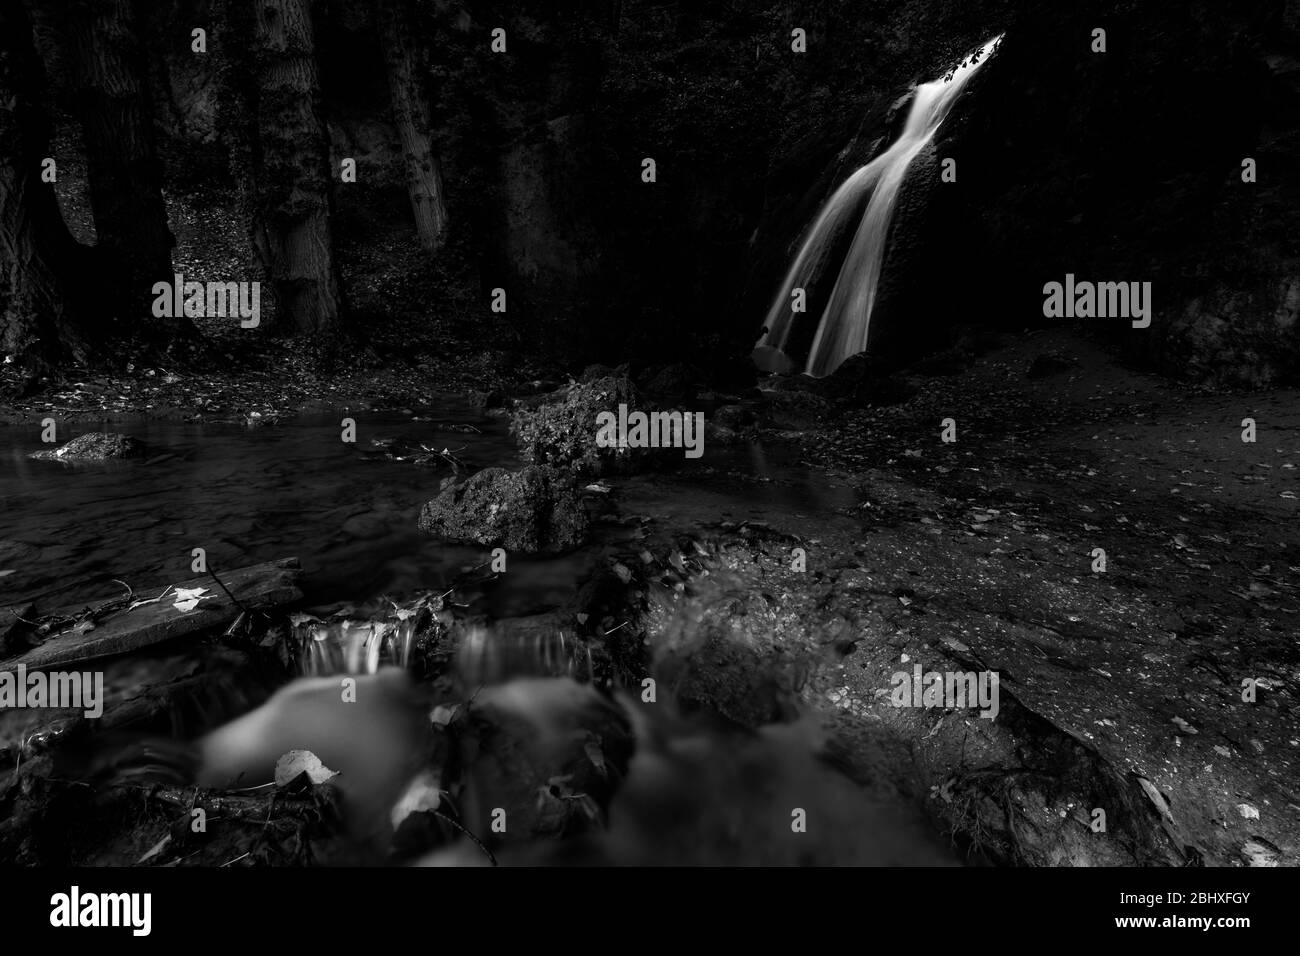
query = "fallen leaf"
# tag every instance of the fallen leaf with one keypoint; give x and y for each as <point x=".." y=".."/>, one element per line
<point x="156" y="849"/>
<point x="187" y="599"/>
<point x="424" y="795"/>
<point x="297" y="762"/>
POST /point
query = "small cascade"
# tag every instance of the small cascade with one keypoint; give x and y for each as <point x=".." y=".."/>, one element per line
<point x="348" y="643"/>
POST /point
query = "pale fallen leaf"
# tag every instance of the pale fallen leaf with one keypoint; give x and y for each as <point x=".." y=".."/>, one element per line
<point x="187" y="599"/>
<point x="297" y="762"/>
<point x="156" y="849"/>
<point x="422" y="796"/>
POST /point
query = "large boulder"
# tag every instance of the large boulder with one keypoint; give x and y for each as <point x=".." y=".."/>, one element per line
<point x="563" y="433"/>
<point x="535" y="510"/>
<point x="95" y="446"/>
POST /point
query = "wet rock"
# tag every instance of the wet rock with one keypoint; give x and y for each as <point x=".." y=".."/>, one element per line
<point x="535" y="510"/>
<point x="548" y="752"/>
<point x="563" y="433"/>
<point x="95" y="446"/>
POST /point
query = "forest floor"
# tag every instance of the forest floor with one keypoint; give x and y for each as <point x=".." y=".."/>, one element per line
<point x="1122" y="690"/>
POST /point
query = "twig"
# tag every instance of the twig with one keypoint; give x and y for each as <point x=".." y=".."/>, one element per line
<point x="475" y="840"/>
<point x="24" y="620"/>
<point x="237" y="859"/>
<point x="227" y="590"/>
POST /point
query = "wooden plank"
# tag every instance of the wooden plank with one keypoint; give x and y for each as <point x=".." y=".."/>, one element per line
<point x="260" y="586"/>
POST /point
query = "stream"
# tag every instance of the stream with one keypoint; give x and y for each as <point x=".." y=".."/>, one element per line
<point x="249" y="495"/>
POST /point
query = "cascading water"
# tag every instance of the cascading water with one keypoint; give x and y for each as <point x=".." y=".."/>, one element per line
<point x="846" y="319"/>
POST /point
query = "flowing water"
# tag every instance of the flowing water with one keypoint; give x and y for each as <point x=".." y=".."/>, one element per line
<point x="245" y="496"/>
<point x="845" y="322"/>
<point x="348" y="513"/>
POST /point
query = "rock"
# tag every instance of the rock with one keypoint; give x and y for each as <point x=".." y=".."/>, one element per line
<point x="603" y="601"/>
<point x="730" y="423"/>
<point x="593" y="372"/>
<point x="95" y="446"/>
<point x="735" y="417"/>
<point x="671" y="382"/>
<point x="562" y="433"/>
<point x="535" y="510"/>
<point x="865" y="379"/>
<point x="795" y="409"/>
<point x="492" y="398"/>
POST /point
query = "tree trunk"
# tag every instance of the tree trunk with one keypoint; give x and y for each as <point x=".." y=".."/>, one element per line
<point x="413" y="118"/>
<point x="122" y="165"/>
<point x="40" y="262"/>
<point x="291" y="204"/>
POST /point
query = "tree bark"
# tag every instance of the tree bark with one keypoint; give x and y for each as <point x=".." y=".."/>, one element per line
<point x="122" y="165"/>
<point x="42" y="275"/>
<point x="414" y="121"/>
<point x="291" y="168"/>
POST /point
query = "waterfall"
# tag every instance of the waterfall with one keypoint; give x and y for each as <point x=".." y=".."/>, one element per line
<point x="846" y="320"/>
